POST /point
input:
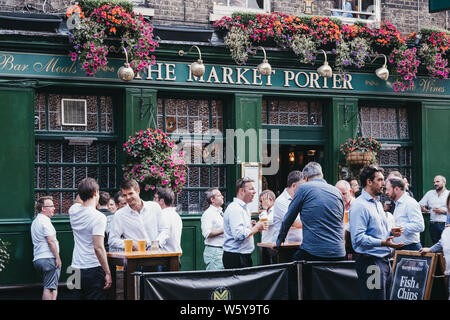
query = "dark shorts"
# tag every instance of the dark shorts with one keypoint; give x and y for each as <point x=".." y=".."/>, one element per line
<point x="50" y="274"/>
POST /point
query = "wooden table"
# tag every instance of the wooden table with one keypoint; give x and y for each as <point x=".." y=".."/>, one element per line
<point x="130" y="262"/>
<point x="270" y="253"/>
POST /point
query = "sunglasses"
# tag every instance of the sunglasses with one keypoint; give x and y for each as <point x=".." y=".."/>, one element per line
<point x="243" y="181"/>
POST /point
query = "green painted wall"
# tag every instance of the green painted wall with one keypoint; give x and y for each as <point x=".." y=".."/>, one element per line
<point x="343" y="120"/>
<point x="17" y="176"/>
<point x="140" y="110"/>
<point x="17" y="157"/>
<point x="435" y="143"/>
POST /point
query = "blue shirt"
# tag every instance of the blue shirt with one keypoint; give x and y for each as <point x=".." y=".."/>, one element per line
<point x="368" y="226"/>
<point x="321" y="209"/>
<point x="407" y="214"/>
<point x="237" y="226"/>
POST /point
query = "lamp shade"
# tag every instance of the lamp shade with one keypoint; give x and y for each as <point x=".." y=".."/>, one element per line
<point x="125" y="72"/>
<point x="198" y="68"/>
<point x="382" y="73"/>
<point x="325" y="70"/>
<point x="264" y="68"/>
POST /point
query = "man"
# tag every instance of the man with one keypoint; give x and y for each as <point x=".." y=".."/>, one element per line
<point x="354" y="184"/>
<point x="407" y="214"/>
<point x="408" y="191"/>
<point x="266" y="203"/>
<point x="371" y="236"/>
<point x="89" y="254"/>
<point x="347" y="193"/>
<point x="138" y="220"/>
<point x="103" y="207"/>
<point x="388" y="204"/>
<point x="443" y="245"/>
<point x="321" y="210"/>
<point x="238" y="230"/>
<point x="433" y="202"/>
<point x="77" y="203"/>
<point x="294" y="180"/>
<point x="212" y="230"/>
<point x="46" y="258"/>
<point x="165" y="198"/>
<point x="119" y="200"/>
<point x="112" y="206"/>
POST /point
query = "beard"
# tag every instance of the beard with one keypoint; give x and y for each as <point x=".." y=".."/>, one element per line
<point x="438" y="188"/>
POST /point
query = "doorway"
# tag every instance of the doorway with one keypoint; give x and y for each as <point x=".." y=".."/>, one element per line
<point x="291" y="157"/>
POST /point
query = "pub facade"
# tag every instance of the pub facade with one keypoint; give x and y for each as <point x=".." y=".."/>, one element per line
<point x="60" y="126"/>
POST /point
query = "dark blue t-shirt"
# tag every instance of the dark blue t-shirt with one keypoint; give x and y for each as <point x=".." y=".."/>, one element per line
<point x="321" y="209"/>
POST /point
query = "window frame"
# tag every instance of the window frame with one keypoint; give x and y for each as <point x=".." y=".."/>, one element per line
<point x="48" y="135"/>
<point x="394" y="144"/>
<point x="198" y="138"/>
<point x="350" y="20"/>
<point x="219" y="11"/>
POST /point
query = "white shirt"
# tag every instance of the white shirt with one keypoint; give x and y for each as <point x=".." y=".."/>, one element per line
<point x="279" y="211"/>
<point x="212" y="219"/>
<point x="40" y="229"/>
<point x="433" y="200"/>
<point x="445" y="241"/>
<point x="86" y="222"/>
<point x="146" y="225"/>
<point x="268" y="235"/>
<point x="237" y="225"/>
<point x="173" y="243"/>
<point x="407" y="214"/>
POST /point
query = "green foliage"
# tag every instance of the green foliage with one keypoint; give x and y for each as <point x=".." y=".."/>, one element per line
<point x="429" y="31"/>
<point x="90" y="5"/>
<point x="245" y="17"/>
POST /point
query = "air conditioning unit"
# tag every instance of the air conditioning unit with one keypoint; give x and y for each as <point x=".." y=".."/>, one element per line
<point x="74" y="112"/>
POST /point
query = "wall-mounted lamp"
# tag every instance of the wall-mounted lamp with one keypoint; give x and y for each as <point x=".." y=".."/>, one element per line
<point x="291" y="156"/>
<point x="383" y="72"/>
<point x="325" y="70"/>
<point x="264" y="68"/>
<point x="125" y="72"/>
<point x="197" y="67"/>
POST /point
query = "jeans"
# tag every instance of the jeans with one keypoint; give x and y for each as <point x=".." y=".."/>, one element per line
<point x="412" y="247"/>
<point x="301" y="254"/>
<point x="436" y="231"/>
<point x="375" y="277"/>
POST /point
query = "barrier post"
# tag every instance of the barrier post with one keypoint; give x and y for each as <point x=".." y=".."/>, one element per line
<point x="299" y="280"/>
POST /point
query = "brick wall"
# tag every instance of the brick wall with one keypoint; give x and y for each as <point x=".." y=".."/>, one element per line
<point x="181" y="12"/>
<point x="411" y="15"/>
<point x="407" y="15"/>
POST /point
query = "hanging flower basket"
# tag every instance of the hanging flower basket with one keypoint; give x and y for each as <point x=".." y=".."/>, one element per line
<point x="359" y="157"/>
<point x="360" y="151"/>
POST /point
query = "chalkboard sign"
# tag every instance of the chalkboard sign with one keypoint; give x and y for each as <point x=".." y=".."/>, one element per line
<point x="413" y="275"/>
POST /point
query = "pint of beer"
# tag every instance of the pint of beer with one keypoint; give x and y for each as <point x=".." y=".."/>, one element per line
<point x="265" y="219"/>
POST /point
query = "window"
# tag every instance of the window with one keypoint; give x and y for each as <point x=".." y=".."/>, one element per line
<point x="292" y="112"/>
<point x="59" y="165"/>
<point x="352" y="10"/>
<point x="223" y="8"/>
<point x="197" y="127"/>
<point x="390" y="126"/>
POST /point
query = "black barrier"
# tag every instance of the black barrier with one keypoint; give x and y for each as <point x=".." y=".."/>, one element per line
<point x="329" y="280"/>
<point x="272" y="282"/>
